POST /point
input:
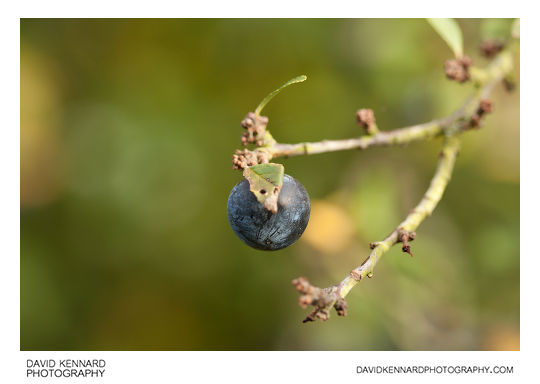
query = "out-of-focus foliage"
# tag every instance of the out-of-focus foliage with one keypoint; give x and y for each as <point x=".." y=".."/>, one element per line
<point x="127" y="132"/>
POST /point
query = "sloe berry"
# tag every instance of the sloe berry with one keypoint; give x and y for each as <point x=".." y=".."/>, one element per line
<point x="261" y="229"/>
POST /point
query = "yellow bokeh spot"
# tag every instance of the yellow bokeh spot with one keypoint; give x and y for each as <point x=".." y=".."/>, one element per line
<point x="41" y="144"/>
<point x="330" y="227"/>
<point x="502" y="338"/>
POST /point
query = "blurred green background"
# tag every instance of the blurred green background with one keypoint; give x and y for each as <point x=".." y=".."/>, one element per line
<point x="127" y="132"/>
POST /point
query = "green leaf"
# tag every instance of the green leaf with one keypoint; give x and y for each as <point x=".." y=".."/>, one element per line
<point x="265" y="181"/>
<point x="450" y="32"/>
<point x="265" y="101"/>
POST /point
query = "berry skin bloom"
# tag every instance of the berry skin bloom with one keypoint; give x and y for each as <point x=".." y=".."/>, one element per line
<point x="261" y="229"/>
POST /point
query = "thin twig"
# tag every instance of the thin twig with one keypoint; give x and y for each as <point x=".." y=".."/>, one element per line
<point x="403" y="233"/>
<point x="405" y="230"/>
<point x="429" y="130"/>
<point x="464" y="118"/>
<point x="402" y="136"/>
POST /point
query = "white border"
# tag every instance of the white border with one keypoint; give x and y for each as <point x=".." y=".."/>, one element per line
<point x="163" y="367"/>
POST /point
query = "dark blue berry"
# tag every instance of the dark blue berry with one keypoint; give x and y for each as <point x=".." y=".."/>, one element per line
<point x="261" y="229"/>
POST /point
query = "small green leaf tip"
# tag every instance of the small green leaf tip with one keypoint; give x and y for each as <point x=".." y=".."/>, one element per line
<point x="265" y="101"/>
<point x="450" y="32"/>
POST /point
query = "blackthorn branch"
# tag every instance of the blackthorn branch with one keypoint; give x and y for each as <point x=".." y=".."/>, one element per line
<point x="450" y="128"/>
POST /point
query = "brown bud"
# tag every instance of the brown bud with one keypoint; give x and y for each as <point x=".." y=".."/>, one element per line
<point x="475" y="121"/>
<point x="490" y="47"/>
<point x="404" y="237"/>
<point x="486" y="106"/>
<point x="301" y="284"/>
<point x="341" y="307"/>
<point x="248" y="121"/>
<point x="305" y="300"/>
<point x="255" y="127"/>
<point x="366" y="119"/>
<point x="322" y="315"/>
<point x="458" y="69"/>
<point x="247" y="158"/>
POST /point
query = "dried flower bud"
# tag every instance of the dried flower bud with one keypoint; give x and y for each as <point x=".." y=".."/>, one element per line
<point x="341" y="307"/>
<point x="366" y="119"/>
<point x="490" y="47"/>
<point x="458" y="69"/>
<point x="255" y="127"/>
<point x="486" y="106"/>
